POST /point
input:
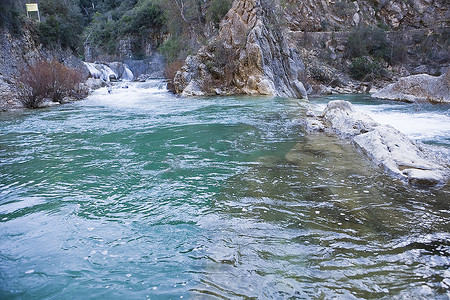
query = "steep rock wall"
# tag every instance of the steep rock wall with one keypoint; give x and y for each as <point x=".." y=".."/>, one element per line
<point x="250" y="56"/>
<point x="416" y="30"/>
<point x="326" y="15"/>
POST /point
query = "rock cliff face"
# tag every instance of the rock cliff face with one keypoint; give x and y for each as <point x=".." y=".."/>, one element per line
<point x="250" y="56"/>
<point x="324" y="15"/>
<point x="417" y="31"/>
<point x="278" y="49"/>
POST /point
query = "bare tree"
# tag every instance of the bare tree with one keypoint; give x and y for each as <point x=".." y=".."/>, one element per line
<point x="47" y="79"/>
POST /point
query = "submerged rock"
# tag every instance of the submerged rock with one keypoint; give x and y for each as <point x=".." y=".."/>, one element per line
<point x="383" y="144"/>
<point x="418" y="88"/>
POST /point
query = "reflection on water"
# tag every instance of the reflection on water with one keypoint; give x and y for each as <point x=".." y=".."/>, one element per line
<point x="140" y="194"/>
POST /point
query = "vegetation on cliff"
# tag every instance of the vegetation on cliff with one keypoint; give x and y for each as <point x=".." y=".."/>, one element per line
<point x="10" y="15"/>
<point x="178" y="27"/>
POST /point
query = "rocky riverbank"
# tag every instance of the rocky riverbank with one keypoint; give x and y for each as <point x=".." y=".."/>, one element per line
<point x="382" y="144"/>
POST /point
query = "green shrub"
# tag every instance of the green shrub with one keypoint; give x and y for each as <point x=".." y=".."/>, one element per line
<point x="364" y="68"/>
<point x="217" y="10"/>
<point x="10" y="17"/>
<point x="62" y="24"/>
<point x="171" y="49"/>
<point x="127" y="19"/>
<point x="367" y="47"/>
<point x="365" y="41"/>
<point x="141" y="19"/>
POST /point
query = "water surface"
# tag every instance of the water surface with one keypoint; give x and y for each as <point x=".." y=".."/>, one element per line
<point x="139" y="194"/>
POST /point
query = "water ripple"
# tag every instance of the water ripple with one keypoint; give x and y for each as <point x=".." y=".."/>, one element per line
<point x="140" y="194"/>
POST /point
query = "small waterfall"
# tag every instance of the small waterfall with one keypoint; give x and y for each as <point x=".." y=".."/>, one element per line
<point x="127" y="75"/>
<point x="100" y="71"/>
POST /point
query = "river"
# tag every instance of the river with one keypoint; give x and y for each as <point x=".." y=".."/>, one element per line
<point x="139" y="194"/>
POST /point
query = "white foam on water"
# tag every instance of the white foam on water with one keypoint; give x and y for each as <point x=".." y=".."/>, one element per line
<point x="420" y="125"/>
<point x="127" y="74"/>
<point x="100" y="71"/>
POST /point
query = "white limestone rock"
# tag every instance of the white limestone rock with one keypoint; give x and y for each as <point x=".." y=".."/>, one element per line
<point x="396" y="153"/>
<point x="192" y="89"/>
<point x="418" y="88"/>
<point x="341" y="117"/>
<point x="263" y="61"/>
<point x="382" y="144"/>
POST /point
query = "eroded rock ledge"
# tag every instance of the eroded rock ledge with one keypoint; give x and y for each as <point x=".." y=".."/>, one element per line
<point x="383" y="144"/>
<point x="250" y="56"/>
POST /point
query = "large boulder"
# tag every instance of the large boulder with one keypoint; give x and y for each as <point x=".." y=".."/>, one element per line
<point x="418" y="88"/>
<point x="250" y="56"/>
<point x="383" y="144"/>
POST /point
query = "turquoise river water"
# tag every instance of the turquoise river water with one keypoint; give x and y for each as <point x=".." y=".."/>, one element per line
<point x="139" y="194"/>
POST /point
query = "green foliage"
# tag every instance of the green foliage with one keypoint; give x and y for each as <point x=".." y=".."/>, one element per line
<point x="383" y="26"/>
<point x="179" y="22"/>
<point x="368" y="47"/>
<point x="141" y="19"/>
<point x="103" y="32"/>
<point x="171" y="49"/>
<point x="10" y="17"/>
<point x="217" y="10"/>
<point x="126" y="20"/>
<point x="62" y="24"/>
<point x="103" y="23"/>
<point x="363" y="68"/>
<point x="368" y="41"/>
